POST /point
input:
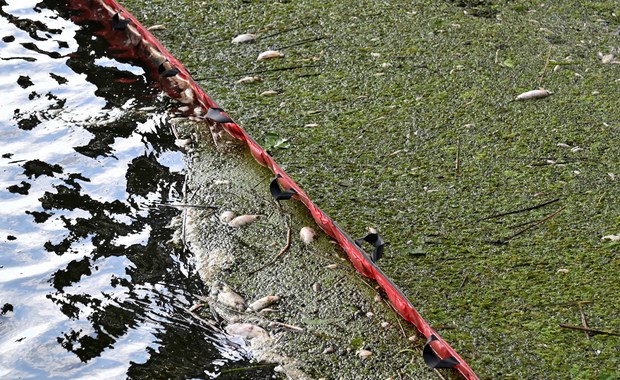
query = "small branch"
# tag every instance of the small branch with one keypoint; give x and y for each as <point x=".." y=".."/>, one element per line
<point x="462" y="283"/>
<point x="185" y="205"/>
<point x="587" y="329"/>
<point x="284" y="249"/>
<point x="286" y="68"/>
<point x="286" y="326"/>
<point x="457" y="165"/>
<point x="542" y="75"/>
<point x="584" y="321"/>
<point x="543" y="220"/>
<point x="520" y="210"/>
<point x="301" y="42"/>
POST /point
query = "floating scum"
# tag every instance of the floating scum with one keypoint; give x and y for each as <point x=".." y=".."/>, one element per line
<point x="133" y="41"/>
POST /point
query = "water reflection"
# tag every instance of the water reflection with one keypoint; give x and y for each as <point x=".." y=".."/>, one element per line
<point x="89" y="286"/>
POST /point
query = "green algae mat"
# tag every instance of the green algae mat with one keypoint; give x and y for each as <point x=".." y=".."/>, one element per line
<point x="502" y="216"/>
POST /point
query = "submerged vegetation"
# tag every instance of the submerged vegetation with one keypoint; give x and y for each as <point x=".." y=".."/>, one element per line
<point x="401" y="116"/>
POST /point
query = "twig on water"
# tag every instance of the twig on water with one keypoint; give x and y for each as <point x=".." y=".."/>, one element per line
<point x="462" y="283"/>
<point x="543" y="220"/>
<point x="185" y="205"/>
<point x="286" y="68"/>
<point x="301" y="42"/>
<point x="587" y="329"/>
<point x="457" y="164"/>
<point x="284" y="249"/>
<point x="520" y="210"/>
<point x="584" y="321"/>
<point x="542" y="75"/>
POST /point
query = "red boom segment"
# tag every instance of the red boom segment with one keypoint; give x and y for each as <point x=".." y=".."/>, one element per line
<point x="133" y="41"/>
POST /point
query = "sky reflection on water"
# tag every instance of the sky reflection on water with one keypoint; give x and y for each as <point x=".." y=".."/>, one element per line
<point x="89" y="284"/>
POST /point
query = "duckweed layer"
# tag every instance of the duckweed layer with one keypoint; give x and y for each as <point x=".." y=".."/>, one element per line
<point x="418" y="137"/>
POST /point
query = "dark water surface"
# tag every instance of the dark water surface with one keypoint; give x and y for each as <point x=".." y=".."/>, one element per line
<point x="89" y="286"/>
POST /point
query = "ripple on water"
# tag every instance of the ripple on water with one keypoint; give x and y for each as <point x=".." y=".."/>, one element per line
<point x="89" y="286"/>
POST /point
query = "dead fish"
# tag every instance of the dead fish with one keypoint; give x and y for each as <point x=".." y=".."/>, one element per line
<point x="245" y="330"/>
<point x="534" y="94"/>
<point x="242" y="220"/>
<point x="195" y="307"/>
<point x="364" y="354"/>
<point x="227" y="216"/>
<point x="611" y="237"/>
<point x="157" y="27"/>
<point x="243" y="38"/>
<point x="262" y="303"/>
<point x="228" y="297"/>
<point x="331" y="266"/>
<point x="269" y="54"/>
<point x="605" y="58"/>
<point x="307" y="235"/>
<point x="269" y="93"/>
<point x="182" y="143"/>
<point x="250" y="79"/>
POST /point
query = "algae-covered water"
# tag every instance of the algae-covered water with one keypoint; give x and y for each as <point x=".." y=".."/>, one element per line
<point x="400" y="116"/>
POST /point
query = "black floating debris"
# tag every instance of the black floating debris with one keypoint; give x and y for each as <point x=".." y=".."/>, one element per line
<point x="277" y="193"/>
<point x="375" y="240"/>
<point x="20" y="189"/>
<point x="170" y="73"/>
<point x="218" y="115"/>
<point x="11" y="238"/>
<point x="118" y="24"/>
<point x="24" y="81"/>
<point x="166" y="70"/>
<point x="432" y="360"/>
<point x="6" y="308"/>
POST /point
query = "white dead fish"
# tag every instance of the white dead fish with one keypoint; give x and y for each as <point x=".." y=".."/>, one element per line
<point x="228" y="297"/>
<point x="364" y="354"/>
<point x="331" y="266"/>
<point x="269" y="54"/>
<point x="182" y="143"/>
<point x="243" y="38"/>
<point x="249" y="79"/>
<point x="157" y="27"/>
<point x="605" y="58"/>
<point x="307" y="235"/>
<point x="227" y="216"/>
<point x="262" y="303"/>
<point x="242" y="220"/>
<point x="269" y="93"/>
<point x="245" y="330"/>
<point x="611" y="237"/>
<point x="195" y="307"/>
<point x="534" y="94"/>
